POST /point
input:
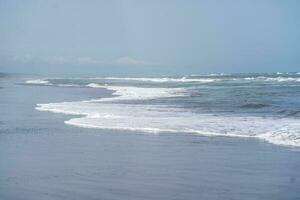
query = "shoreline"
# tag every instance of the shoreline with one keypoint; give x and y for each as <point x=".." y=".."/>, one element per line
<point x="42" y="158"/>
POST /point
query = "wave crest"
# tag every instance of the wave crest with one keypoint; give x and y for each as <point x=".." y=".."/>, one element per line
<point x="38" y="82"/>
<point x="159" y="119"/>
<point x="138" y="93"/>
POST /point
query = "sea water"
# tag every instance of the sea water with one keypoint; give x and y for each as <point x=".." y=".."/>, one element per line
<point x="264" y="106"/>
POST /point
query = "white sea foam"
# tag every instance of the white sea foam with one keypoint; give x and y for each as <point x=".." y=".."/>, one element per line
<point x="249" y="78"/>
<point x="273" y="79"/>
<point x="116" y="112"/>
<point x="137" y="93"/>
<point x="163" y="80"/>
<point x="47" y="82"/>
<point x="283" y="79"/>
<point x="95" y="85"/>
<point x="205" y="80"/>
<point x="213" y="74"/>
<point x="156" y="119"/>
<point x="189" y="79"/>
<point x="107" y="114"/>
<point x="38" y="82"/>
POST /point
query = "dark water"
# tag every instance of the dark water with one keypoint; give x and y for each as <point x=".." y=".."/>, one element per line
<point x="43" y="158"/>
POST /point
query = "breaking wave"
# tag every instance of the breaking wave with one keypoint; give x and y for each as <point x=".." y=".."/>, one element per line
<point x="164" y="80"/>
<point x="115" y="113"/>
<point x="208" y="79"/>
<point x="38" y="82"/>
<point x="156" y="119"/>
<point x="137" y="93"/>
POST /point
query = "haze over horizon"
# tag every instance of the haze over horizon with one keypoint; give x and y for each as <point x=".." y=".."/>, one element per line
<point x="149" y="37"/>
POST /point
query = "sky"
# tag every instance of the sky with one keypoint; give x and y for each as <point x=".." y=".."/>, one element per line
<point x="149" y="37"/>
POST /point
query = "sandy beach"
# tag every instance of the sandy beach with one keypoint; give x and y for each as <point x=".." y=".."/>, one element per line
<point x="43" y="158"/>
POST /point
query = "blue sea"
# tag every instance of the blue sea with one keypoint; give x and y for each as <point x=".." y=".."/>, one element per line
<point x="263" y="106"/>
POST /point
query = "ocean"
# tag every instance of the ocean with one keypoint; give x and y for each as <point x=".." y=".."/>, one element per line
<point x="260" y="106"/>
<point x="216" y="136"/>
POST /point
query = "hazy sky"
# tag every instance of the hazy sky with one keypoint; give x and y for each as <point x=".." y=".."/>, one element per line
<point x="149" y="37"/>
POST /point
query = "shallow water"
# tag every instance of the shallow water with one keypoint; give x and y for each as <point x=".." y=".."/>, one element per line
<point x="264" y="106"/>
<point x="43" y="158"/>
